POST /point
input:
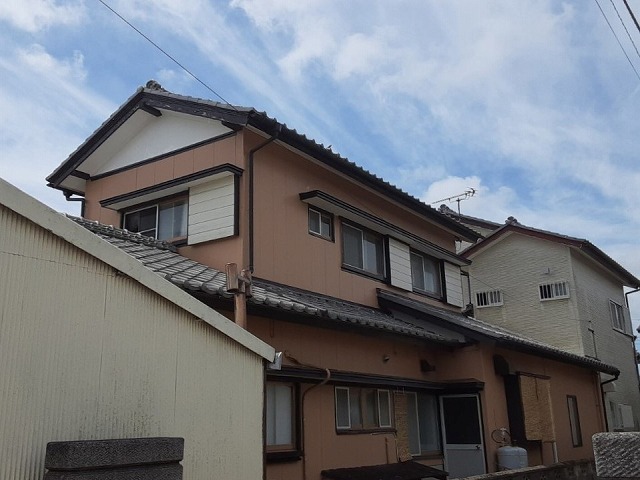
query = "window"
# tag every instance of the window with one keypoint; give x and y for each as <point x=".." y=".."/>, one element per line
<point x="280" y="417"/>
<point x="426" y="274"/>
<point x="362" y="408"/>
<point x="164" y="221"/>
<point x="363" y="250"/>
<point x="617" y="317"/>
<point x="423" y="422"/>
<point x="552" y="291"/>
<point x="574" y="421"/>
<point x="320" y="224"/>
<point x="492" y="298"/>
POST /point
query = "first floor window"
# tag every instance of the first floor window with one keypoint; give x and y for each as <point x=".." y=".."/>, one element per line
<point x="574" y="421"/>
<point x="425" y="274"/>
<point x="363" y="250"/>
<point x="280" y="416"/>
<point x="163" y="221"/>
<point x="362" y="408"/>
<point x="423" y="422"/>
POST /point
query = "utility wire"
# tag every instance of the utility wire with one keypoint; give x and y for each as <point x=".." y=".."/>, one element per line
<point x="632" y="15"/>
<point x="615" y="35"/>
<point x="625" y="28"/>
<point x="167" y="54"/>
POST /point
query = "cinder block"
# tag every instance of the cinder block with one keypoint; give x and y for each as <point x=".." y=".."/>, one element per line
<point x="617" y="455"/>
<point x="91" y="454"/>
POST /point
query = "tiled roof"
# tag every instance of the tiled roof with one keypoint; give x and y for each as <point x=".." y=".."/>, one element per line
<point x="156" y="97"/>
<point x="162" y="258"/>
<point x="501" y="336"/>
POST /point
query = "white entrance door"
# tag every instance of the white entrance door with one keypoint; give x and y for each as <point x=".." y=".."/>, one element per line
<point x="462" y="435"/>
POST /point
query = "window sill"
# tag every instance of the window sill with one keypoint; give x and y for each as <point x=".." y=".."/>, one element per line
<point x="364" y="431"/>
<point x="363" y="273"/>
<point x="626" y="334"/>
<point x="433" y="296"/>
<point x="285" y="456"/>
<point x="322" y="237"/>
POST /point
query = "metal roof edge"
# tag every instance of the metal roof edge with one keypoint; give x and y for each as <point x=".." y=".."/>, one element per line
<point x="28" y="207"/>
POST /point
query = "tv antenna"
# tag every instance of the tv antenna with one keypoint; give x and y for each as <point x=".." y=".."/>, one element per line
<point x="468" y="193"/>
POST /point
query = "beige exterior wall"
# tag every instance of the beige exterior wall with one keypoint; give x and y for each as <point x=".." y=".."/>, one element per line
<point x="516" y="265"/>
<point x="595" y="287"/>
<point x="285" y="251"/>
<point x="86" y="353"/>
<point x="326" y="448"/>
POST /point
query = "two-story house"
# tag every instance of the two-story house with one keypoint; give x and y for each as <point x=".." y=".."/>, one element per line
<point x="355" y="281"/>
<point x="561" y="290"/>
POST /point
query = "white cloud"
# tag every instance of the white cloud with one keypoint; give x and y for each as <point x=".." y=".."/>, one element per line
<point x="35" y="15"/>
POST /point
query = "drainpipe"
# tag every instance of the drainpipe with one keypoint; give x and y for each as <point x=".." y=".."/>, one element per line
<point x="604" y="402"/>
<point x="251" y="181"/>
<point x="304" y="395"/>
<point x="67" y="196"/>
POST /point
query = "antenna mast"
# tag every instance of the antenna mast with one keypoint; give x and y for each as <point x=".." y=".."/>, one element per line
<point x="470" y="192"/>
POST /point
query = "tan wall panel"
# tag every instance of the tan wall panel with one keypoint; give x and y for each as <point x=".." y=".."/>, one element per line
<point x="88" y="354"/>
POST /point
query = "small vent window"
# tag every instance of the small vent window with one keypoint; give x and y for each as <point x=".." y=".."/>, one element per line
<point x="553" y="291"/>
<point x="491" y="298"/>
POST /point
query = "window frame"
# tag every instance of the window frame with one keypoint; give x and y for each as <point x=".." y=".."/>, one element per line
<point x="436" y="421"/>
<point x="321" y="213"/>
<point x="384" y="249"/>
<point x="551" y="286"/>
<point x="362" y="427"/>
<point x="490" y="296"/>
<point x="619" y="315"/>
<point x="439" y="265"/>
<point x="290" y="451"/>
<point x="574" y="421"/>
<point x="157" y="204"/>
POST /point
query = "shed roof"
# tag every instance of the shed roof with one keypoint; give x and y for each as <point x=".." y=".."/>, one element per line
<point x="63" y="227"/>
<point x="163" y="258"/>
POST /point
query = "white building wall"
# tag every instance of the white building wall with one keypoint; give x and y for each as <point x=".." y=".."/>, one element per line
<point x="87" y="353"/>
<point x="595" y="287"/>
<point x="516" y="265"/>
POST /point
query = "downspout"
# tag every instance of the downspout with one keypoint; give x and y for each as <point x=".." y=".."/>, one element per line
<point x="304" y="395"/>
<point x="67" y="196"/>
<point x="251" y="182"/>
<point x="604" y="403"/>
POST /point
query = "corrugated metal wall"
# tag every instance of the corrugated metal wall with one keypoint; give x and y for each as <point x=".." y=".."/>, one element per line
<point x="86" y="354"/>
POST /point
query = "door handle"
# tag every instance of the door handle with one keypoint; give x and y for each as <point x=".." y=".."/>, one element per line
<point x="477" y="447"/>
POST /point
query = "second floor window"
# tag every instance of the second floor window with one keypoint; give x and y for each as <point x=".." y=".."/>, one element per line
<point x="363" y="250"/>
<point x="617" y="317"/>
<point x="163" y="221"/>
<point x="320" y="224"/>
<point x="425" y="274"/>
<point x="552" y="291"/>
<point x="491" y="298"/>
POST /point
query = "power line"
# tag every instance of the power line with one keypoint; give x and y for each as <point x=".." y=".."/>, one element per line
<point x="632" y="15"/>
<point x="617" y="39"/>
<point x="166" y="54"/>
<point x="625" y="28"/>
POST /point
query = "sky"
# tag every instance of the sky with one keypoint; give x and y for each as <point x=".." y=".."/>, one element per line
<point x="534" y="104"/>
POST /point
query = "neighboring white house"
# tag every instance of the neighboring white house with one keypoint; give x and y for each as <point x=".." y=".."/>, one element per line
<point x="94" y="345"/>
<point x="563" y="291"/>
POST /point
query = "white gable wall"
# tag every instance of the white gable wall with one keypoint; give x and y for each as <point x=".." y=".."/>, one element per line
<point x="144" y="136"/>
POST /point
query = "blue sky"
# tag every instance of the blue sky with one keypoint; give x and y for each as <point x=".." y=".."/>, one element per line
<point x="532" y="103"/>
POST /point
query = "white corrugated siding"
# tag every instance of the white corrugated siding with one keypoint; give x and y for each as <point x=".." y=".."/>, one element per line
<point x="453" y="282"/>
<point x="400" y="264"/>
<point x="212" y="210"/>
<point x="88" y="354"/>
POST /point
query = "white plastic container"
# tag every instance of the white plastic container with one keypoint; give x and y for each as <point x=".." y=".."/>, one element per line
<point x="510" y="458"/>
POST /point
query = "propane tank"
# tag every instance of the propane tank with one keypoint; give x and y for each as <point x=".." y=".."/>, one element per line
<point x="510" y="458"/>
